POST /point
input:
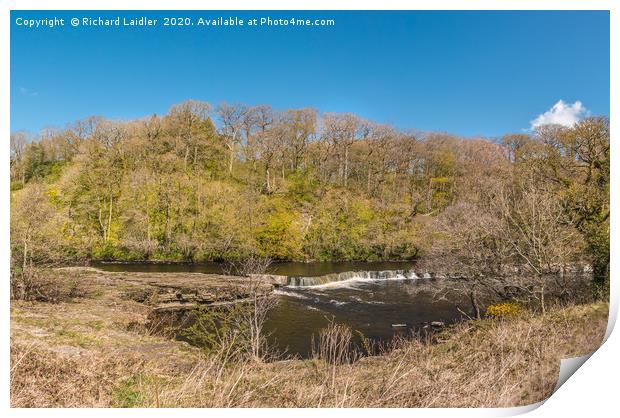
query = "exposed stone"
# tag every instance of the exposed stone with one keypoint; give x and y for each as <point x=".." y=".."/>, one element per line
<point x="275" y="279"/>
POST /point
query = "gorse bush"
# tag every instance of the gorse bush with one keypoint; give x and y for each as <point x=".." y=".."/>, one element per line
<point x="504" y="310"/>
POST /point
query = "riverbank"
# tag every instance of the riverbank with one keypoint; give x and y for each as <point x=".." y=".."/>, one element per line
<point x="99" y="349"/>
<point x="287" y="268"/>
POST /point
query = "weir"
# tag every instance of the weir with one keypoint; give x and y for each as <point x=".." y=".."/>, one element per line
<point x="303" y="281"/>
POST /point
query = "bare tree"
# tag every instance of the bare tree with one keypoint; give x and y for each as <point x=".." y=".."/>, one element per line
<point x="233" y="118"/>
<point x="299" y="126"/>
<point x="18" y="145"/>
<point x="513" y="244"/>
<point x="342" y="130"/>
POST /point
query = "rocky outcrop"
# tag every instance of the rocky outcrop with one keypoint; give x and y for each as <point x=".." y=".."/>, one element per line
<point x="275" y="279"/>
<point x="172" y="297"/>
<point x="167" y="290"/>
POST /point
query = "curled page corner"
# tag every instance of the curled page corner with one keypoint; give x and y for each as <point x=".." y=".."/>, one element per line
<point x="568" y="367"/>
<point x="518" y="410"/>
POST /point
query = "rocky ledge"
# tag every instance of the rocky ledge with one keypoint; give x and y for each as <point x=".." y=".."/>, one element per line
<point x="180" y="291"/>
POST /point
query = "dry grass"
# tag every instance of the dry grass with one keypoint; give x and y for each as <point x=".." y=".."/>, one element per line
<point x="481" y="363"/>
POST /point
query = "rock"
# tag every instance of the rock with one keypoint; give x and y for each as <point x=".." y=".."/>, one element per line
<point x="174" y="307"/>
<point x="67" y="350"/>
<point x="437" y="324"/>
<point x="276" y="279"/>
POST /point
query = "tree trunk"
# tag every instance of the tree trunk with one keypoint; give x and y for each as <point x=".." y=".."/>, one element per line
<point x="148" y="221"/>
<point x="474" y="305"/>
<point x="25" y="261"/>
<point x="429" y="202"/>
<point x="232" y="156"/>
<point x="185" y="158"/>
<point x="346" y="165"/>
<point x="103" y="228"/>
<point x="167" y="222"/>
<point x="108" y="229"/>
<point x="232" y="153"/>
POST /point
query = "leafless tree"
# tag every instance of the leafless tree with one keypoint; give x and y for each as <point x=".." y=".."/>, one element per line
<point x="233" y="118"/>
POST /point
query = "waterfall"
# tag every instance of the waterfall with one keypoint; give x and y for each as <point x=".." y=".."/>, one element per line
<point x="301" y="281"/>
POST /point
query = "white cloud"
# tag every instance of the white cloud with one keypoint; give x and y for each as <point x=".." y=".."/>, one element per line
<point x="561" y="113"/>
<point x="28" y="92"/>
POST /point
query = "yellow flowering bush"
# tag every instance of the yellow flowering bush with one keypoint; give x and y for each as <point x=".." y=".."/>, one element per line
<point x="504" y="310"/>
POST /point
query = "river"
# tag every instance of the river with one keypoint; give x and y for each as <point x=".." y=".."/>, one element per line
<point x="284" y="268"/>
<point x="377" y="302"/>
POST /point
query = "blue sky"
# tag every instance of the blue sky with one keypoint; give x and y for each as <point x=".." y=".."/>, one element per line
<point x="467" y="73"/>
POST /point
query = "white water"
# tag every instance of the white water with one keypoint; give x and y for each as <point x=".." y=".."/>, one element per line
<point x="291" y="294"/>
<point x="349" y="280"/>
<point x="369" y="302"/>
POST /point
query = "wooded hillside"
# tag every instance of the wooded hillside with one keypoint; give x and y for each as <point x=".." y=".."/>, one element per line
<point x="227" y="182"/>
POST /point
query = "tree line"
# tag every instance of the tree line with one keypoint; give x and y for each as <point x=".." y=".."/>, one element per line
<point x="233" y="181"/>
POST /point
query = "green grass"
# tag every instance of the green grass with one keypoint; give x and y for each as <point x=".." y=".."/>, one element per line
<point x="127" y="393"/>
<point x="77" y="338"/>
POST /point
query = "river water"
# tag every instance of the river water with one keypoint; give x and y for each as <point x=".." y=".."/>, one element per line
<point x="377" y="302"/>
<point x="285" y="268"/>
<point x="377" y="308"/>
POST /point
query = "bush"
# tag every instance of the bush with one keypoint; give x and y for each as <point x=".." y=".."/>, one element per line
<point x="334" y="345"/>
<point x="220" y="330"/>
<point x="504" y="310"/>
<point x="38" y="284"/>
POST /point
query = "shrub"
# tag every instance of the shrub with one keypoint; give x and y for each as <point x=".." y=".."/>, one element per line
<point x="504" y="310"/>
<point x="334" y="345"/>
<point x="38" y="284"/>
<point x="219" y="329"/>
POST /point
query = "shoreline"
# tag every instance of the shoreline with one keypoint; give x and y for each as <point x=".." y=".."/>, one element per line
<point x="102" y="339"/>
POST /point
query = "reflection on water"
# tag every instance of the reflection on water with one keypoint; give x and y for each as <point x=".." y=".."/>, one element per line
<point x="369" y="306"/>
<point x="286" y="269"/>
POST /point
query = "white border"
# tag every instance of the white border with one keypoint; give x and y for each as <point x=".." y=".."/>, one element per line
<point x="594" y="387"/>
